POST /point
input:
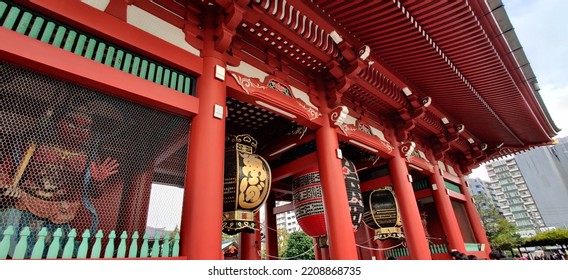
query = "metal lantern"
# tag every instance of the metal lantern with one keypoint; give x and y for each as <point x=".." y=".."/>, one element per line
<point x="246" y="185"/>
<point x="382" y="213"/>
<point x="308" y="199"/>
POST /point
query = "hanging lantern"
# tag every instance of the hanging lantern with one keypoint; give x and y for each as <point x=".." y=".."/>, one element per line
<point x="382" y="213"/>
<point x="246" y="186"/>
<point x="308" y="199"/>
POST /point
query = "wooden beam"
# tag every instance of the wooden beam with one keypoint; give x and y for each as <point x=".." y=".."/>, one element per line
<point x="295" y="166"/>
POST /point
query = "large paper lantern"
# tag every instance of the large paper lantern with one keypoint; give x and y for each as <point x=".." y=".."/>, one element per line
<point x="382" y="213"/>
<point x="246" y="186"/>
<point x="308" y="199"/>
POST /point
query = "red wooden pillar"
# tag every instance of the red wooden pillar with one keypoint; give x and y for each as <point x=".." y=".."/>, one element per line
<point x="317" y="250"/>
<point x="411" y="221"/>
<point x="370" y="234"/>
<point x="203" y="196"/>
<point x="473" y="216"/>
<point x="446" y="211"/>
<point x="270" y="233"/>
<point x="247" y="247"/>
<point x="325" y="253"/>
<point x="138" y="202"/>
<point x="341" y="238"/>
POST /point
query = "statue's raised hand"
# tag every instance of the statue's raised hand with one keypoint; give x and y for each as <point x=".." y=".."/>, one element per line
<point x="100" y="172"/>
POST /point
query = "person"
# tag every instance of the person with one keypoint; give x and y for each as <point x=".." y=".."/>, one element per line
<point x="455" y="254"/>
<point x="471" y="257"/>
<point x="42" y="184"/>
<point x="498" y="255"/>
<point x="391" y="258"/>
<point x="461" y="256"/>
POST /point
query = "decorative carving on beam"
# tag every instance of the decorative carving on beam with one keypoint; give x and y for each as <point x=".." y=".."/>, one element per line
<point x="360" y="134"/>
<point x="406" y="149"/>
<point x="337" y="117"/>
<point x="263" y="92"/>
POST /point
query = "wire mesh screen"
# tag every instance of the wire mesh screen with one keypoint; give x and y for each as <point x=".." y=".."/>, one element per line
<point x="74" y="158"/>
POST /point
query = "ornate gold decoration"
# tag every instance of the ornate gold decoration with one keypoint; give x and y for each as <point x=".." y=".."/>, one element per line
<point x="246" y="186"/>
<point x="382" y="213"/>
<point x="246" y="83"/>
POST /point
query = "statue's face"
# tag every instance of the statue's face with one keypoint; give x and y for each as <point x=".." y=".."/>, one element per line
<point x="75" y="129"/>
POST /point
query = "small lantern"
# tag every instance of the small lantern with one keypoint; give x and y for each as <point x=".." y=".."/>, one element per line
<point x="308" y="199"/>
<point x="382" y="213"/>
<point x="246" y="186"/>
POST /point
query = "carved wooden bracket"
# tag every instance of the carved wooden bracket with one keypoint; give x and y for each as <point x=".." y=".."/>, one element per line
<point x="406" y="149"/>
<point x="234" y="13"/>
<point x="337" y="117"/>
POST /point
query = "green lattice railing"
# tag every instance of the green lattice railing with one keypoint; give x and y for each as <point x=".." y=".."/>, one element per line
<point x="420" y="185"/>
<point x="85" y="246"/>
<point x="473" y="247"/>
<point x="36" y="26"/>
<point x="403" y="252"/>
<point x="452" y="187"/>
<point x="396" y="252"/>
<point x="438" y="249"/>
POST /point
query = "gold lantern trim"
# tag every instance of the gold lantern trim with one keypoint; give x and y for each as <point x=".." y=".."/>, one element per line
<point x="246" y="186"/>
<point x="382" y="213"/>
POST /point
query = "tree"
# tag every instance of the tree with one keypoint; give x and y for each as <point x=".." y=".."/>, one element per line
<point x="501" y="233"/>
<point x="300" y="246"/>
<point x="234" y="238"/>
<point x="551" y="237"/>
<point x="283" y="237"/>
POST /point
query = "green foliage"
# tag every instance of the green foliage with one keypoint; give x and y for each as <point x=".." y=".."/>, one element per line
<point x="300" y="246"/>
<point x="551" y="237"/>
<point x="283" y="237"/>
<point x="501" y="233"/>
<point x="234" y="238"/>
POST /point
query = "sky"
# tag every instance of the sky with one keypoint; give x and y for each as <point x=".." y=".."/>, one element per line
<point x="541" y="28"/>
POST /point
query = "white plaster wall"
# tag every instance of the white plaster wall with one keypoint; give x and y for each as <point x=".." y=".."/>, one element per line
<point x="97" y="4"/>
<point x="442" y="166"/>
<point x="159" y="28"/>
<point x="379" y="134"/>
<point x="248" y="70"/>
<point x="253" y="72"/>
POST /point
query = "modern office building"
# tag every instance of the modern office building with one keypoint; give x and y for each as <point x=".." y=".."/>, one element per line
<point x="286" y="220"/>
<point x="512" y="196"/>
<point x="545" y="171"/>
<point x="478" y="187"/>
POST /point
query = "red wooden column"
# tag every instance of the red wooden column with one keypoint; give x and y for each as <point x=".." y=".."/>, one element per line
<point x="270" y="233"/>
<point x="324" y="252"/>
<point x="340" y="234"/>
<point x="135" y="213"/>
<point x="411" y="221"/>
<point x="248" y="249"/>
<point x="473" y="216"/>
<point x="446" y="211"/>
<point x="249" y="245"/>
<point x="317" y="250"/>
<point x="203" y="196"/>
<point x="372" y="243"/>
